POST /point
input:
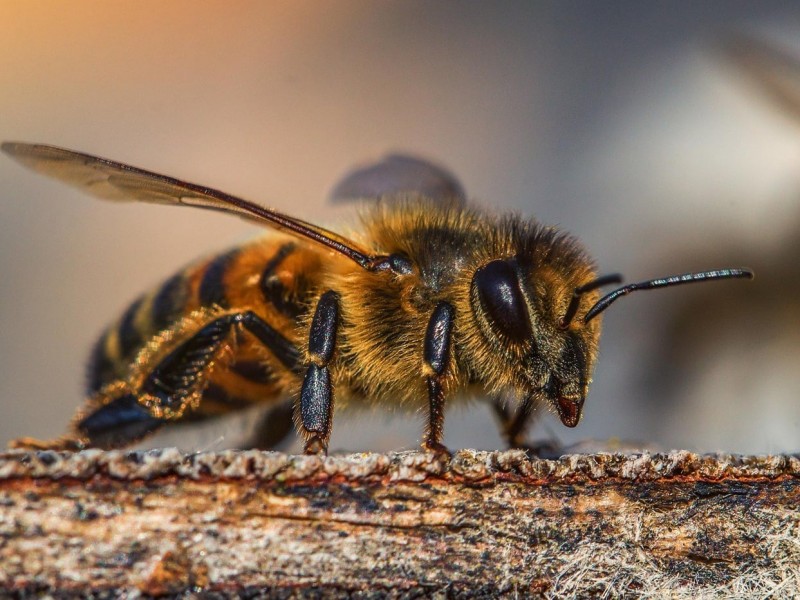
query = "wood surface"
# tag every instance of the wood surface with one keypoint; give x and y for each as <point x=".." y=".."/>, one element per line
<point x="484" y="525"/>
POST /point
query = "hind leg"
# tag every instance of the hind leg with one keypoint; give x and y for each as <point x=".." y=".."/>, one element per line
<point x="166" y="382"/>
<point x="316" y="396"/>
<point x="117" y="416"/>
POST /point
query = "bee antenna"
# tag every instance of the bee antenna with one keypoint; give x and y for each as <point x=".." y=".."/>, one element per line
<point x="581" y="290"/>
<point x="608" y="299"/>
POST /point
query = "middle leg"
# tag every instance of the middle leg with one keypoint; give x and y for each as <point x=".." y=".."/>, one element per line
<point x="316" y="395"/>
<point x="436" y="362"/>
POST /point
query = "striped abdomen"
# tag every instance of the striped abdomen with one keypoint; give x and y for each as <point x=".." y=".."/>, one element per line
<point x="271" y="277"/>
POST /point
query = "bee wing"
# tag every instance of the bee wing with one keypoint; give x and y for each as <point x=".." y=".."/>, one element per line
<point x="110" y="180"/>
<point x="398" y="174"/>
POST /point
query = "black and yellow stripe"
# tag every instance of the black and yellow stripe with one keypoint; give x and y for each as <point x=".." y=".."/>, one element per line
<point x="262" y="278"/>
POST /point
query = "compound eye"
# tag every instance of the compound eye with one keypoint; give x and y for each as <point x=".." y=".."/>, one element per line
<point x="500" y="296"/>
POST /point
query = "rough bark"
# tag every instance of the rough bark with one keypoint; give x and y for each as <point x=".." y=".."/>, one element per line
<point x="485" y="524"/>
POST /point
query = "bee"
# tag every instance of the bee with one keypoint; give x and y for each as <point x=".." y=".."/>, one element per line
<point x="426" y="300"/>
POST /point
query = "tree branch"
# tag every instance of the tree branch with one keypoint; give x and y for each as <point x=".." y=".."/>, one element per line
<point x="366" y="525"/>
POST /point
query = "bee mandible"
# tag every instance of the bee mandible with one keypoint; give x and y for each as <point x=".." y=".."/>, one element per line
<point x="427" y="299"/>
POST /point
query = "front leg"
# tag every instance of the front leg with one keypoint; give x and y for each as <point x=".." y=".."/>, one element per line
<point x="514" y="423"/>
<point x="436" y="362"/>
<point x="316" y="395"/>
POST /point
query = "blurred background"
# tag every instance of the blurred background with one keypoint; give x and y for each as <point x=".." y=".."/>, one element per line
<point x="639" y="127"/>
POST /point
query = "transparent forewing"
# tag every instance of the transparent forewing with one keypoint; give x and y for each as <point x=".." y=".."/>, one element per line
<point x="99" y="177"/>
<point x="110" y="180"/>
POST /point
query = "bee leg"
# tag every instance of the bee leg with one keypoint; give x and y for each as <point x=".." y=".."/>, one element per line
<point x="316" y="395"/>
<point x="169" y="385"/>
<point x="514" y="423"/>
<point x="436" y="360"/>
<point x="110" y="419"/>
<point x="161" y="386"/>
<point x="60" y="444"/>
<point x="118" y="422"/>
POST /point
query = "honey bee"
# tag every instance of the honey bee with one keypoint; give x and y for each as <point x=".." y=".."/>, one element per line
<point x="427" y="299"/>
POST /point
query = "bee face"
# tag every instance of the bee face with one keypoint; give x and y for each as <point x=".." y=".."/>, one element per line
<point x="560" y="371"/>
<point x="519" y="306"/>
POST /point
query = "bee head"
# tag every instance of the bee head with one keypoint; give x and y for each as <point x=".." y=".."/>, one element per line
<point x="526" y="315"/>
<point x="539" y="323"/>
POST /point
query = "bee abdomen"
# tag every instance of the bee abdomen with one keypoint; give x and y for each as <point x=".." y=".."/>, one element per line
<point x="273" y="289"/>
<point x="168" y="302"/>
<point x="102" y="368"/>
<point x="217" y="399"/>
<point x="130" y="333"/>
<point x="212" y="289"/>
<point x="254" y="371"/>
<point x="216" y="282"/>
<point x="146" y="316"/>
